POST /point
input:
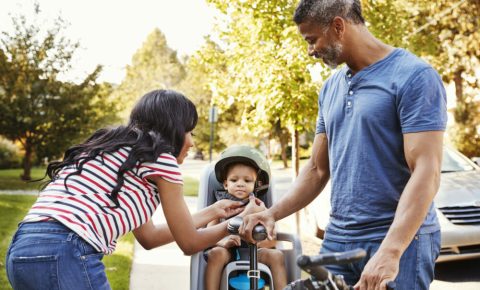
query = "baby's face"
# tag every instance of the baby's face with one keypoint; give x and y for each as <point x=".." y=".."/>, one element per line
<point x="240" y="180"/>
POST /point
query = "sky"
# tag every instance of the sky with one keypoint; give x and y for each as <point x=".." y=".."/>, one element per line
<point x="109" y="32"/>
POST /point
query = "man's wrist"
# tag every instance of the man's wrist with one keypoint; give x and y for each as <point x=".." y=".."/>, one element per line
<point x="390" y="251"/>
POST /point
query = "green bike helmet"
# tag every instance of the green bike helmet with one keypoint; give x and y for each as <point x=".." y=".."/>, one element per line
<point x="245" y="155"/>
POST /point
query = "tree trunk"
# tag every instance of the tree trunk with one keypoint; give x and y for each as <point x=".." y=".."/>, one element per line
<point x="283" y="146"/>
<point x="295" y="154"/>
<point x="457" y="80"/>
<point x="27" y="162"/>
<point x="267" y="146"/>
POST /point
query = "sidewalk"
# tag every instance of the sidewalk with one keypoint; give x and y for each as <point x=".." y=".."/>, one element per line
<point x="163" y="268"/>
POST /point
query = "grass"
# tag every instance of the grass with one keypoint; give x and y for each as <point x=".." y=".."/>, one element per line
<point x="190" y="186"/>
<point x="119" y="264"/>
<point x="15" y="207"/>
<point x="10" y="179"/>
<point x="278" y="164"/>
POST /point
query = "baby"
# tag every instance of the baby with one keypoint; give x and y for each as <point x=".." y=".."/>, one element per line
<point x="239" y="180"/>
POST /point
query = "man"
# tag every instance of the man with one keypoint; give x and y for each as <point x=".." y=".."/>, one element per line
<point x="379" y="138"/>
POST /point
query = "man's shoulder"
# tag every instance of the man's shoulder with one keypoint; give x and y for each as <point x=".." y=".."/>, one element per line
<point x="408" y="64"/>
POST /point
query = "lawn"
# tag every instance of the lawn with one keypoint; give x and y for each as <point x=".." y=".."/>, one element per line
<point x="14" y="208"/>
<point x="10" y="179"/>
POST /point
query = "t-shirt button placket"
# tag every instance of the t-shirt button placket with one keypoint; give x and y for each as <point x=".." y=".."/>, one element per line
<point x="349" y="101"/>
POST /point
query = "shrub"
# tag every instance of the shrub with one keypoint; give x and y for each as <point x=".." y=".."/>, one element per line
<point x="10" y="155"/>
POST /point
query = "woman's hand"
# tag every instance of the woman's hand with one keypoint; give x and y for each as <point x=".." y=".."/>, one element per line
<point x="230" y="242"/>
<point x="226" y="208"/>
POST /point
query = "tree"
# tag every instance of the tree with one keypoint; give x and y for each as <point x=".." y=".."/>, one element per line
<point x="446" y="34"/>
<point x="266" y="73"/>
<point x="196" y="86"/>
<point x="154" y="66"/>
<point x="42" y="113"/>
<point x="456" y="28"/>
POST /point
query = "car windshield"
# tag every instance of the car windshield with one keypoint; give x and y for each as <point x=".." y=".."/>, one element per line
<point x="454" y="161"/>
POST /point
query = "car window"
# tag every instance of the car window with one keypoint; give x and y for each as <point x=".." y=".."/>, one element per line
<point x="454" y="161"/>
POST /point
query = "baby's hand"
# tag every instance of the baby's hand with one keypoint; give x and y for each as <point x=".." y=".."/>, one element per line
<point x="229" y="242"/>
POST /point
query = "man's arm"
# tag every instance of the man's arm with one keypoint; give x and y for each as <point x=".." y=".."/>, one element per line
<point x="423" y="153"/>
<point x="310" y="182"/>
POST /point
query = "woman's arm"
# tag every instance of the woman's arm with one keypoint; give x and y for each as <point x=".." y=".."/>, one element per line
<point x="180" y="222"/>
<point x="150" y="235"/>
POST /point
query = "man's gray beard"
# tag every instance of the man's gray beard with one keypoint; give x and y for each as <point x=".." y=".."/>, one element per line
<point x="330" y="58"/>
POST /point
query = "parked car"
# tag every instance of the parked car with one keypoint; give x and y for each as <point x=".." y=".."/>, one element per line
<point x="457" y="203"/>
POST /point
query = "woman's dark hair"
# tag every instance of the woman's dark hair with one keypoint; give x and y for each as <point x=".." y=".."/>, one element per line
<point x="158" y="124"/>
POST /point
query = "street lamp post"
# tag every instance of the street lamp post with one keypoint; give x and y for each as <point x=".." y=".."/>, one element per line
<point x="212" y="118"/>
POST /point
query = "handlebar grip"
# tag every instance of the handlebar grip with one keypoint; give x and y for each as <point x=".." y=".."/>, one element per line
<point x="259" y="232"/>
<point x="234" y="224"/>
<point x="332" y="258"/>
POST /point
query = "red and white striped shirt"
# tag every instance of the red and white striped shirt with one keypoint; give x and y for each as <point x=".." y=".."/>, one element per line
<point x="84" y="206"/>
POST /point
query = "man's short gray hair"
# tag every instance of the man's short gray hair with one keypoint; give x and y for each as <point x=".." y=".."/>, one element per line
<point x="324" y="11"/>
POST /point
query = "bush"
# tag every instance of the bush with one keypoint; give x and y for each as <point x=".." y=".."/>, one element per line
<point x="10" y="155"/>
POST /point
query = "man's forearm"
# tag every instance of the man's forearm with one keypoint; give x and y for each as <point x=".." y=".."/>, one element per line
<point x="412" y="209"/>
<point x="309" y="183"/>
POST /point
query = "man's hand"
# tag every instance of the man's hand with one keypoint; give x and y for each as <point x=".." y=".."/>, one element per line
<point x="381" y="269"/>
<point x="226" y="208"/>
<point x="251" y="220"/>
<point x="229" y="242"/>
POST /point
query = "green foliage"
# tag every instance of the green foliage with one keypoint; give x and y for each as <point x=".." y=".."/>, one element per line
<point x="46" y="115"/>
<point x="195" y="85"/>
<point x="262" y="80"/>
<point x="455" y="28"/>
<point x="265" y="73"/>
<point x="10" y="156"/>
<point x="13" y="209"/>
<point x="154" y="66"/>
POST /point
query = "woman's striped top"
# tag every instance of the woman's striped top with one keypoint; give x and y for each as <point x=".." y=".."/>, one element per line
<point x="83" y="204"/>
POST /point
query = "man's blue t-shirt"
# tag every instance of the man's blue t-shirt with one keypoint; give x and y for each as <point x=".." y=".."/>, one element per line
<point x="364" y="117"/>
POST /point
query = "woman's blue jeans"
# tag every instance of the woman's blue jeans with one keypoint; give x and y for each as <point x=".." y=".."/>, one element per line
<point x="417" y="263"/>
<point x="48" y="255"/>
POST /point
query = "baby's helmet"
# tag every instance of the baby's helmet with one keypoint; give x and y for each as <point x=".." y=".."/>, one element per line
<point x="245" y="155"/>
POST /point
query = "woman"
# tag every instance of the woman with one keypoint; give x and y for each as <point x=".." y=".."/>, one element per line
<point x="108" y="186"/>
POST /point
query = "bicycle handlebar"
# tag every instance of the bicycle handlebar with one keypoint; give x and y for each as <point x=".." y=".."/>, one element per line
<point x="259" y="232"/>
<point x="321" y="278"/>
<point x="331" y="258"/>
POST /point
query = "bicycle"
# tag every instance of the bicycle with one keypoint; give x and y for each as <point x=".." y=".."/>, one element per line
<point x="321" y="278"/>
